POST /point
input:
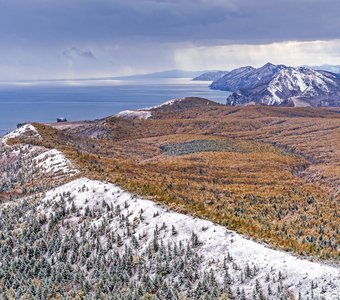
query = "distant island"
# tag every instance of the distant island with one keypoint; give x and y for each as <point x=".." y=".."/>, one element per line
<point x="210" y="76"/>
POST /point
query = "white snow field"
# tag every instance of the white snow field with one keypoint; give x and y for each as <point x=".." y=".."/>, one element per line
<point x="305" y="279"/>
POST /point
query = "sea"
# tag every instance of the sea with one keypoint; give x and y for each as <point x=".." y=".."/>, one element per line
<point x="44" y="101"/>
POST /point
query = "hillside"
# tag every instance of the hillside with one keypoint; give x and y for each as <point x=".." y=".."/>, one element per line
<point x="280" y="85"/>
<point x="210" y="76"/>
<point x="79" y="194"/>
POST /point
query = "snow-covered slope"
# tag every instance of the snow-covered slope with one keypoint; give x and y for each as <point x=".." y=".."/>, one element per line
<point x="54" y="161"/>
<point x="49" y="161"/>
<point x="300" y="82"/>
<point x="279" y="85"/>
<point x="249" y="263"/>
<point x="232" y="80"/>
<point x="27" y="129"/>
<point x="31" y="166"/>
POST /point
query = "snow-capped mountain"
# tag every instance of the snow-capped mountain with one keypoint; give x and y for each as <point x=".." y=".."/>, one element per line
<point x="281" y="85"/>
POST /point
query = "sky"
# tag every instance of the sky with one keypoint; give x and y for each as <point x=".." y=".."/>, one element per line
<point x="49" y="39"/>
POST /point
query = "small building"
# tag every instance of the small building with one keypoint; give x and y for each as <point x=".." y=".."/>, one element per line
<point x="62" y="119"/>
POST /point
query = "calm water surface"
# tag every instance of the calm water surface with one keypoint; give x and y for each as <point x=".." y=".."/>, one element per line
<point x="86" y="100"/>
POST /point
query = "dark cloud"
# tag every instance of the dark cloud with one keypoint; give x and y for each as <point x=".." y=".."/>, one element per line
<point x="171" y="20"/>
<point x="126" y="36"/>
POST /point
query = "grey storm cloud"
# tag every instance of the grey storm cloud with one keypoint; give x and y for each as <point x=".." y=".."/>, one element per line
<point x="201" y="21"/>
<point x="74" y="38"/>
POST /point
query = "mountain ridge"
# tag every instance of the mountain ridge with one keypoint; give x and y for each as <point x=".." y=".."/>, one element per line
<point x="280" y="85"/>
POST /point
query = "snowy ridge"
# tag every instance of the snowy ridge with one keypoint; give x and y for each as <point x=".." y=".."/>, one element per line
<point x="47" y="161"/>
<point x="134" y="114"/>
<point x="25" y="129"/>
<point x="166" y="103"/>
<point x="145" y="113"/>
<point x="272" y="266"/>
<point x="29" y="165"/>
<point x="54" y="161"/>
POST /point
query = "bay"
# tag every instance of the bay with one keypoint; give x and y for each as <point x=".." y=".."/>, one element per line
<point x="90" y="99"/>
